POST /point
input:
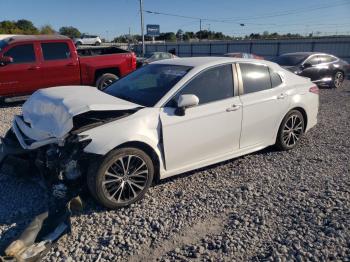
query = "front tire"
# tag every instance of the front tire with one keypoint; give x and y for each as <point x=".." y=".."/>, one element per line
<point x="338" y="80"/>
<point x="105" y="80"/>
<point x="122" y="178"/>
<point x="97" y="43"/>
<point x="291" y="130"/>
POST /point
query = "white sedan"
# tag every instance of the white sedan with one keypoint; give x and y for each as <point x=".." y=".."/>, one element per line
<point x="164" y="119"/>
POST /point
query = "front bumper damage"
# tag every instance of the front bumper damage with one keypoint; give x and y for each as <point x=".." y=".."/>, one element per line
<point x="61" y="168"/>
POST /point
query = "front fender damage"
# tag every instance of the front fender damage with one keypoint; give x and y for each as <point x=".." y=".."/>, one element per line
<point x="61" y="164"/>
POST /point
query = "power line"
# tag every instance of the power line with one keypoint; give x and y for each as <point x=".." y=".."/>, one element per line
<point x="232" y="20"/>
<point x="289" y="12"/>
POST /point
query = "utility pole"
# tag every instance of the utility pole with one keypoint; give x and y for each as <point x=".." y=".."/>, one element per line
<point x="142" y="27"/>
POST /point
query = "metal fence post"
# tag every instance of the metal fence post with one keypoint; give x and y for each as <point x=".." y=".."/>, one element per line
<point x="227" y="47"/>
<point x="191" y="49"/>
<point x="250" y="47"/>
<point x="278" y="48"/>
<point x="312" y="46"/>
<point x="209" y="49"/>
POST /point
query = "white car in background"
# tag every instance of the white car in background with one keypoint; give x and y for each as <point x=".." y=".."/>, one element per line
<point x="163" y="119"/>
<point x="88" y="40"/>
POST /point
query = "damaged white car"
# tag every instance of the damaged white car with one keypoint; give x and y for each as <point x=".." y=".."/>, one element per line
<point x="166" y="118"/>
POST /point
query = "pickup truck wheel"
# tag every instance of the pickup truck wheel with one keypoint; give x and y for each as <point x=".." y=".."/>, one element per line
<point x="122" y="178"/>
<point x="78" y="44"/>
<point x="105" y="80"/>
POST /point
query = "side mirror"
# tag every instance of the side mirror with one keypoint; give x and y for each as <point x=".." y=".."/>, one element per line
<point x="5" y="60"/>
<point x="185" y="101"/>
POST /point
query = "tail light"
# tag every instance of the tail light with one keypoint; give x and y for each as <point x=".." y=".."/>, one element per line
<point x="133" y="60"/>
<point x="314" y="89"/>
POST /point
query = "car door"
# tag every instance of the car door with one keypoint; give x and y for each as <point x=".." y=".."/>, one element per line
<point x="326" y="66"/>
<point x="265" y="102"/>
<point x="208" y="130"/>
<point x="22" y="75"/>
<point x="310" y="68"/>
<point x="58" y="65"/>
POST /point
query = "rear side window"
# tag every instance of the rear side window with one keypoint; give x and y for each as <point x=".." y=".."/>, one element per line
<point x="55" y="51"/>
<point x="22" y="54"/>
<point x="326" y="59"/>
<point x="275" y="78"/>
<point x="212" y="85"/>
<point x="255" y="77"/>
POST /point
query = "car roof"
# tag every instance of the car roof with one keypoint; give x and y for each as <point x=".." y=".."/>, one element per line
<point x="306" y="53"/>
<point x="210" y="61"/>
<point x="19" y="38"/>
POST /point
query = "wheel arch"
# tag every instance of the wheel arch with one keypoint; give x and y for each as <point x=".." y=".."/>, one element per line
<point x="148" y="150"/>
<point x="303" y="112"/>
<point x="111" y="70"/>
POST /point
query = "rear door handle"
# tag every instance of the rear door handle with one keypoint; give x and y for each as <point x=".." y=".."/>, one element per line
<point x="233" y="108"/>
<point x="70" y="64"/>
<point x="34" y="68"/>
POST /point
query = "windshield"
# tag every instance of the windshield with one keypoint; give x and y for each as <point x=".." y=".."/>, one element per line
<point x="290" y="60"/>
<point x="147" y="85"/>
<point x="2" y="44"/>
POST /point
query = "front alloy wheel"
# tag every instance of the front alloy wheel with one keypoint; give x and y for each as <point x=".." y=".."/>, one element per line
<point x="291" y="130"/>
<point x="123" y="178"/>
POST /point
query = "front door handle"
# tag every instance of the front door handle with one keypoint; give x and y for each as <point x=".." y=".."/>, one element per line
<point x="70" y="64"/>
<point x="233" y="108"/>
<point x="281" y="96"/>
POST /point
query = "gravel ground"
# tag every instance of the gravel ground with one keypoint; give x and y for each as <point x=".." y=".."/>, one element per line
<point x="271" y="205"/>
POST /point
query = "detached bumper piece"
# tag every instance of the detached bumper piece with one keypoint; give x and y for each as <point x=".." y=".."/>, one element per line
<point x="37" y="239"/>
<point x="10" y="147"/>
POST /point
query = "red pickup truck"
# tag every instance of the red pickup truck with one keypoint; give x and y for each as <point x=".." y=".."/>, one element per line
<point x="28" y="63"/>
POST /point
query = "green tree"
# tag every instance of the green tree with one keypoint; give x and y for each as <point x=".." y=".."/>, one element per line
<point x="70" y="31"/>
<point x="9" y="27"/>
<point x="27" y="27"/>
<point x="47" y="30"/>
<point x="179" y="35"/>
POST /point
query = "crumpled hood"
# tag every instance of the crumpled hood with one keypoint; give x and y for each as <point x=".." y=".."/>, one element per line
<point x="51" y="110"/>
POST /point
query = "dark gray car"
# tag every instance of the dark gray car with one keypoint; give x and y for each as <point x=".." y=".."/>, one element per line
<point x="321" y="68"/>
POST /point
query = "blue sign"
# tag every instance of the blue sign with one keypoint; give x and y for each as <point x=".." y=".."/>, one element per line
<point x="153" y="30"/>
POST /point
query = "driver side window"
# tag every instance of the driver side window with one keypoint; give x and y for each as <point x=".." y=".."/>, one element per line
<point x="22" y="54"/>
<point x="314" y="60"/>
<point x="209" y="86"/>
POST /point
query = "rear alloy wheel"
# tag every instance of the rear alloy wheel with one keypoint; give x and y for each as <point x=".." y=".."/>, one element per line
<point x="291" y="130"/>
<point x="105" y="80"/>
<point x="122" y="178"/>
<point x="338" y="79"/>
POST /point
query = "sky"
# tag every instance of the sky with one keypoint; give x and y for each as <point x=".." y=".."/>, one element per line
<point x="109" y="18"/>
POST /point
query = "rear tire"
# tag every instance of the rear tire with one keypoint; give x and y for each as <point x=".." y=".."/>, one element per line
<point x="122" y="178"/>
<point x="105" y="80"/>
<point x="338" y="80"/>
<point x="78" y="44"/>
<point x="291" y="130"/>
<point x="97" y="43"/>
